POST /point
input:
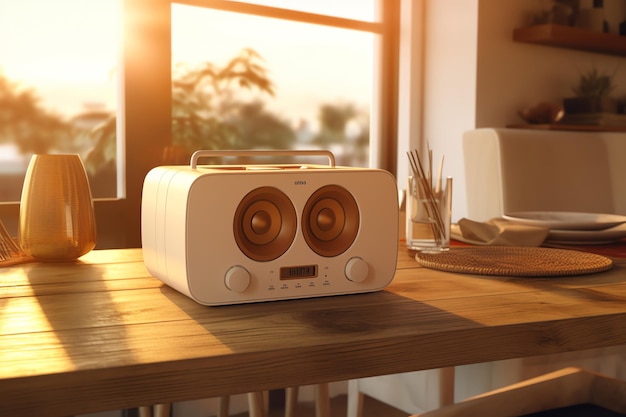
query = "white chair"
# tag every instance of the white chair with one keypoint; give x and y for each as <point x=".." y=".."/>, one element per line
<point x="411" y="392"/>
<point x="568" y="387"/>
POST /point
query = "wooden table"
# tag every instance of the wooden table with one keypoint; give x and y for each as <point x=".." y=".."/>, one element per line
<point x="102" y="334"/>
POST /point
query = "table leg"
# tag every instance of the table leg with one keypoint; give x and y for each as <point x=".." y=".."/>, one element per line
<point x="223" y="405"/>
<point x="291" y="401"/>
<point x="255" y="404"/>
<point x="322" y="400"/>
<point x="446" y="386"/>
<point x="355" y="399"/>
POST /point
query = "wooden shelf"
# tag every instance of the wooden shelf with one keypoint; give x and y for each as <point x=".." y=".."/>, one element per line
<point x="572" y="38"/>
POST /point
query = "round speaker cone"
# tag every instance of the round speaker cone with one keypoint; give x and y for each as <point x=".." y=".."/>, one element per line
<point x="261" y="222"/>
<point x="327" y="219"/>
<point x="330" y="220"/>
<point x="264" y="224"/>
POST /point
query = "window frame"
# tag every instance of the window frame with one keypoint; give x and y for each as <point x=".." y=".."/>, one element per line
<point x="144" y="108"/>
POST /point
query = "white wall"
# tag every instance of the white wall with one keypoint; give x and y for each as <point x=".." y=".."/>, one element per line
<point x="449" y="105"/>
<point x="476" y="76"/>
<point x="410" y="81"/>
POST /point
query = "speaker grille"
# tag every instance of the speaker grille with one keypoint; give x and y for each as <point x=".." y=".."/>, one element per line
<point x="265" y="224"/>
<point x="330" y="220"/>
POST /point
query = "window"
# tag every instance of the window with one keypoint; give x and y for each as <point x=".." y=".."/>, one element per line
<point x="58" y="86"/>
<point x="274" y="77"/>
<point x="58" y="90"/>
<point x="151" y="118"/>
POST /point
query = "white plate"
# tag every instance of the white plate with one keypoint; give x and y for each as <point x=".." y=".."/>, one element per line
<point x="565" y="220"/>
<point x="595" y="237"/>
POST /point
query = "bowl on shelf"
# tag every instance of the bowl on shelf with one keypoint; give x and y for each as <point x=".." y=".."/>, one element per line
<point x="542" y="113"/>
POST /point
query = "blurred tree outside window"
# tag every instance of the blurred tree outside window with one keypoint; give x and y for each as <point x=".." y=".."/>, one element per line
<point x="280" y="83"/>
<point x="58" y="85"/>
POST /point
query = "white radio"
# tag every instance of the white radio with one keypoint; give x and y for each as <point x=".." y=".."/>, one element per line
<point x="229" y="234"/>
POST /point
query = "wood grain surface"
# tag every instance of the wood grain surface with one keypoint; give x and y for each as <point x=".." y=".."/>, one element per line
<point x="100" y="333"/>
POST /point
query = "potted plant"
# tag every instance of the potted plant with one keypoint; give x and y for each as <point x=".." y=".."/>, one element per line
<point x="592" y="94"/>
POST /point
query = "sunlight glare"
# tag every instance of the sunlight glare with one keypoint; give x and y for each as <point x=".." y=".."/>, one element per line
<point x="54" y="45"/>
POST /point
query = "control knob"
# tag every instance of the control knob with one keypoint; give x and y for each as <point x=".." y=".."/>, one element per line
<point x="357" y="270"/>
<point x="237" y="279"/>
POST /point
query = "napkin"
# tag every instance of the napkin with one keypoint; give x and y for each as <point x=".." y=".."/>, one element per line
<point x="498" y="231"/>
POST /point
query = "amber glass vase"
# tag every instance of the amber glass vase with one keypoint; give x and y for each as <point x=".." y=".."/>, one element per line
<point x="57" y="221"/>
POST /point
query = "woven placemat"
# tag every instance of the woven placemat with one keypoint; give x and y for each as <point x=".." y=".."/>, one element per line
<point x="515" y="261"/>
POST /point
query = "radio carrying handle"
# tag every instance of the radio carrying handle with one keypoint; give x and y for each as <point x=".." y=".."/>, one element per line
<point x="207" y="153"/>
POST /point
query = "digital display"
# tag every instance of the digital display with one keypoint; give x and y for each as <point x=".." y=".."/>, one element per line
<point x="302" y="271"/>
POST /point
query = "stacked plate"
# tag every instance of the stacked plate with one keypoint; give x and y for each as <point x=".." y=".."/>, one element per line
<point x="574" y="228"/>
